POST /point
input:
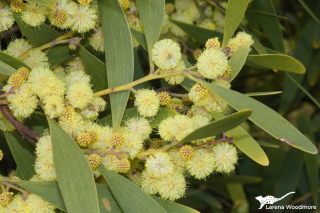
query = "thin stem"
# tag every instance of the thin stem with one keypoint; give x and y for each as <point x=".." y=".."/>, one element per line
<point x="15" y="187"/>
<point x="4" y="102"/>
<point x="134" y="83"/>
<point x="215" y="4"/>
<point x="133" y="90"/>
<point x="195" y="73"/>
<point x="51" y="44"/>
<point x="202" y="15"/>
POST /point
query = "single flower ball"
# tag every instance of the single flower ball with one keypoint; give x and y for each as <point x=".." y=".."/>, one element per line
<point x="147" y="102"/>
<point x="225" y="155"/>
<point x="159" y="165"/>
<point x="212" y="63"/>
<point x="166" y="54"/>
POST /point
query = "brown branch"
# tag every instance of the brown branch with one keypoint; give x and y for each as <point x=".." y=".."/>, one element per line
<point x="24" y="131"/>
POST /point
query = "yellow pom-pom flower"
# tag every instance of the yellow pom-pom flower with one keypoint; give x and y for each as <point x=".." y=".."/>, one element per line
<point x="225" y="156"/>
<point x="133" y="143"/>
<point x="197" y="92"/>
<point x="6" y="198"/>
<point x="172" y="187"/>
<point x="84" y="2"/>
<point x="117" y="139"/>
<point x="159" y="165"/>
<point x="5" y="17"/>
<point x="54" y="106"/>
<point x="176" y="79"/>
<point x="15" y="80"/>
<point x="111" y="162"/>
<point x="36" y="59"/>
<point x="177" y="161"/>
<point x="155" y="143"/>
<point x="199" y="110"/>
<point x="147" y="102"/>
<point x="5" y="125"/>
<point x="22" y="103"/>
<point x="39" y="79"/>
<point x="74" y="65"/>
<point x="96" y="40"/>
<point x="94" y="160"/>
<point x="124" y="165"/>
<point x="227" y="73"/>
<point x="18" y="47"/>
<point x="166" y="54"/>
<point x="17" y="205"/>
<point x="17" y="6"/>
<point x="175" y="104"/>
<point x="24" y="72"/>
<point x="149" y="183"/>
<point x="124" y="4"/>
<point x="94" y="107"/>
<point x="36" y="204"/>
<point x="44" y="167"/>
<point x="34" y="14"/>
<point x="175" y="128"/>
<point x="84" y="19"/>
<point x="201" y="164"/>
<point x="63" y="16"/>
<point x="213" y="43"/>
<point x="44" y="147"/>
<point x="212" y="63"/>
<point x="76" y="77"/>
<point x="186" y="152"/>
<point x="164" y="97"/>
<point x="140" y="126"/>
<point x="84" y="139"/>
<point x="80" y="95"/>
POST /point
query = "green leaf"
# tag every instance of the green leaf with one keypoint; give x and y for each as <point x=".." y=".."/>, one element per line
<point x="140" y="38"/>
<point x="119" y="57"/>
<point x="246" y="143"/>
<point x="234" y="14"/>
<point x="45" y="2"/>
<point x="151" y="14"/>
<point x="214" y="180"/>
<point x="309" y="11"/>
<point x="261" y="143"/>
<point x="59" y="54"/>
<point x="238" y="197"/>
<point x="130" y="197"/>
<point x="169" y="206"/>
<point x="95" y="68"/>
<point x="198" y="33"/>
<point x="237" y="60"/>
<point x="22" y="154"/>
<point x="5" y="69"/>
<point x="205" y="197"/>
<point x="217" y="127"/>
<point x="133" y="112"/>
<point x="74" y="174"/>
<point x="263" y="93"/>
<point x="138" y="72"/>
<point x="37" y="36"/>
<point x="270" y="25"/>
<point x="263" y="116"/>
<point x="11" y="61"/>
<point x="314" y="69"/>
<point x="278" y="62"/>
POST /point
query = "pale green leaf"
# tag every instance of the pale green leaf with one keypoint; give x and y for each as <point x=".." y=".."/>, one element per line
<point x="95" y="68"/>
<point x="313" y="68"/>
<point x="151" y="14"/>
<point x="198" y="33"/>
<point x="37" y="36"/>
<point x="22" y="154"/>
<point x="169" y="206"/>
<point x="11" y="61"/>
<point x="278" y="62"/>
<point x="246" y="143"/>
<point x="237" y="60"/>
<point x="74" y="174"/>
<point x="5" y="69"/>
<point x="238" y="197"/>
<point x="263" y="116"/>
<point x="130" y="197"/>
<point x="263" y="93"/>
<point x="218" y="127"/>
<point x="140" y="38"/>
<point x="270" y="25"/>
<point x="59" y="54"/>
<point x="139" y="72"/>
<point x="45" y="2"/>
<point x="234" y="14"/>
<point x="119" y="54"/>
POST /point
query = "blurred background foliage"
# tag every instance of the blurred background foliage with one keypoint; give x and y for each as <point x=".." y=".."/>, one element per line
<point x="289" y="169"/>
